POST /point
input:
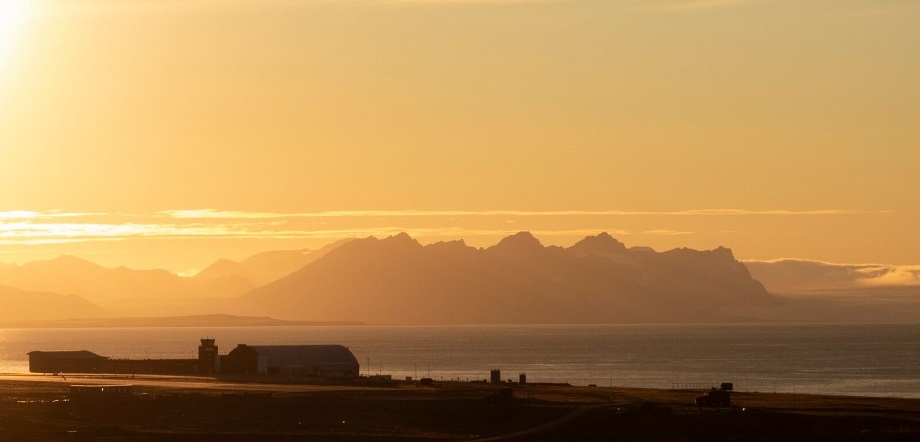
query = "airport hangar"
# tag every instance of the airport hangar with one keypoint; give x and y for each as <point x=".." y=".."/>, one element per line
<point x="326" y="361"/>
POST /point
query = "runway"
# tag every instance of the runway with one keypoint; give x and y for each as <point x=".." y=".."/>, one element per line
<point x="178" y="383"/>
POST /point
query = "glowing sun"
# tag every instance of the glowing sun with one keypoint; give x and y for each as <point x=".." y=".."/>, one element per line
<point x="13" y="15"/>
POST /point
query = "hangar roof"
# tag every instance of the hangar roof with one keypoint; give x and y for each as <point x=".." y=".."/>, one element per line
<point x="305" y="355"/>
<point x="80" y="354"/>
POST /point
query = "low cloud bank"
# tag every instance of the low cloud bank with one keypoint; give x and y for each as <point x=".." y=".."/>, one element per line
<point x="784" y="275"/>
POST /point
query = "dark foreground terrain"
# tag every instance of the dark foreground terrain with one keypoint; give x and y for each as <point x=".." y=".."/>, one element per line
<point x="32" y="410"/>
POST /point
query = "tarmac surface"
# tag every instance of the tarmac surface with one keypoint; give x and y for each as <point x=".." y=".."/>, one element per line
<point x="258" y="408"/>
<point x="178" y="383"/>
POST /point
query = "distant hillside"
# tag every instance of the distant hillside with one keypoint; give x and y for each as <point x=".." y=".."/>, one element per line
<point x="169" y="321"/>
<point x="128" y="292"/>
<point x="72" y="275"/>
<point x="123" y="291"/>
<point x="21" y="305"/>
<point x="598" y="280"/>
<point x="264" y="268"/>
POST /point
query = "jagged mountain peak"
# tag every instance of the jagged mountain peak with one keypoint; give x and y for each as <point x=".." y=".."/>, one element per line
<point x="724" y="252"/>
<point x="401" y="237"/>
<point x="400" y="240"/>
<point x="521" y="242"/>
<point x="601" y="244"/>
<point x="719" y="253"/>
<point x="456" y="245"/>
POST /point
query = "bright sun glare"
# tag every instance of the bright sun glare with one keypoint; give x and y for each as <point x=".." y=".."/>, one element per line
<point x="13" y="15"/>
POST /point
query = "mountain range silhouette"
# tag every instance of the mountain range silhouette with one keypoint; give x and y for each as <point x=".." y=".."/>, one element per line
<point x="397" y="280"/>
<point x="518" y="280"/>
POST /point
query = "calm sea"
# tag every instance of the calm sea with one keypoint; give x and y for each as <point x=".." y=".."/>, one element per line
<point x="874" y="360"/>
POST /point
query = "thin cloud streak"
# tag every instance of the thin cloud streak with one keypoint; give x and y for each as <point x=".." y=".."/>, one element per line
<point x="245" y="215"/>
<point x="170" y="5"/>
<point x="455" y="2"/>
<point x="27" y="214"/>
<point x="32" y="227"/>
<point x="224" y="214"/>
<point x="697" y="5"/>
<point x="54" y="233"/>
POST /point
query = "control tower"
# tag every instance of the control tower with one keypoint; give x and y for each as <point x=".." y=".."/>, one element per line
<point x="208" y="359"/>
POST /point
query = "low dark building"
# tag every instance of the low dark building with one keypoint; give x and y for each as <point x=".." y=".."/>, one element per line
<point x="66" y="362"/>
<point x="720" y="398"/>
<point x="495" y="376"/>
<point x="88" y="362"/>
<point x="328" y="361"/>
<point x="152" y="366"/>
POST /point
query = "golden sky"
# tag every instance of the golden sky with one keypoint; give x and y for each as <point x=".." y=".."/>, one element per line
<point x="170" y="133"/>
